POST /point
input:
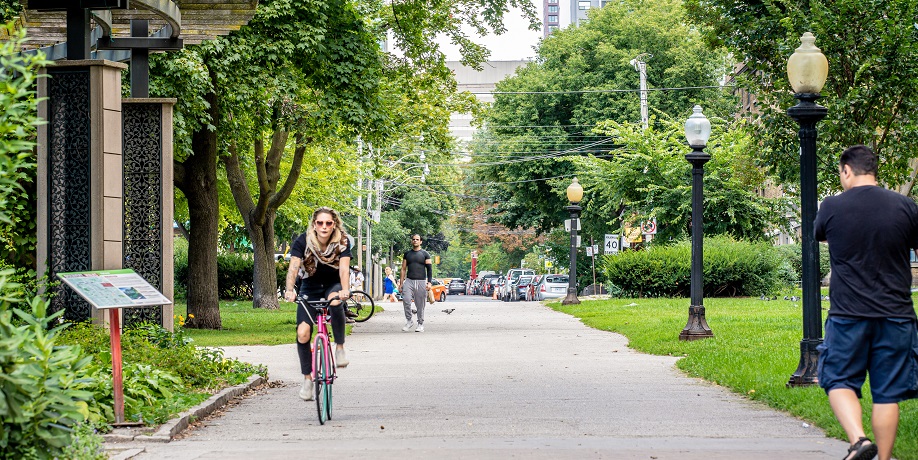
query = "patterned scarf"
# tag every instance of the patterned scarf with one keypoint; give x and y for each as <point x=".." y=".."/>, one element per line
<point x="330" y="256"/>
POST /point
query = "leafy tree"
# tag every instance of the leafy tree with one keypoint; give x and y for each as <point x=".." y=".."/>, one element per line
<point x="9" y="9"/>
<point x="871" y="94"/>
<point x="493" y="257"/>
<point x="18" y="121"/>
<point x="649" y="177"/>
<point x="542" y="121"/>
<point x="302" y="72"/>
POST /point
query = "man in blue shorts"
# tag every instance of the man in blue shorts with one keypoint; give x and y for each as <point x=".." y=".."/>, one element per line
<point x="871" y="326"/>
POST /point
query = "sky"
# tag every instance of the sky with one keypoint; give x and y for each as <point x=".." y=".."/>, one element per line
<point x="515" y="44"/>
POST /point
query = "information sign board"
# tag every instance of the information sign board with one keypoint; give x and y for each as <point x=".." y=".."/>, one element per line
<point x="122" y="288"/>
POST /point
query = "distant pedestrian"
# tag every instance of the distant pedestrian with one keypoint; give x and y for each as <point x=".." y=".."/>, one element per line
<point x="389" y="286"/>
<point x="871" y="325"/>
<point x="357" y="279"/>
<point x="417" y="273"/>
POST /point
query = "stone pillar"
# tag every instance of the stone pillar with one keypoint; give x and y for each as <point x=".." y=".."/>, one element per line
<point x="147" y="169"/>
<point x="79" y="176"/>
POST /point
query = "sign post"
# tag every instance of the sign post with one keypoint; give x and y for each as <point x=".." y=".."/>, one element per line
<point x="113" y="290"/>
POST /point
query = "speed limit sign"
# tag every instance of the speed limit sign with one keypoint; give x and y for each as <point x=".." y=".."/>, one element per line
<point x="613" y="243"/>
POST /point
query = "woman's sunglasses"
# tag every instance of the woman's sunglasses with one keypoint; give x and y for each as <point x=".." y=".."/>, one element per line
<point x="329" y="223"/>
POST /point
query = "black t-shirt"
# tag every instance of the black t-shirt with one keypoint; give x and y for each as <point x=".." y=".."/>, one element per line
<point x="870" y="231"/>
<point x="417" y="267"/>
<point x="325" y="275"/>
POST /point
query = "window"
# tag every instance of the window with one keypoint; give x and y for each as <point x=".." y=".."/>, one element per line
<point x="553" y="8"/>
<point x="553" y="18"/>
<point x="552" y="2"/>
<point x="584" y="4"/>
<point x="552" y="29"/>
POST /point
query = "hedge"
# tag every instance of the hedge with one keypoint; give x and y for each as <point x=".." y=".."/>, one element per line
<point x="731" y="268"/>
<point x="234" y="273"/>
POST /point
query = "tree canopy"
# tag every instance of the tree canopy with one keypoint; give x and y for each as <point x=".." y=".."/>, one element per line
<point x="871" y="92"/>
<point x="543" y="117"/>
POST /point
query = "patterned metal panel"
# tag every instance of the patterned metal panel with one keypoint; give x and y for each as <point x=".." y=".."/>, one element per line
<point x="143" y="207"/>
<point x="69" y="185"/>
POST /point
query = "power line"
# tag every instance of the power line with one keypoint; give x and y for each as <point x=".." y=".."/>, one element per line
<point x="588" y="91"/>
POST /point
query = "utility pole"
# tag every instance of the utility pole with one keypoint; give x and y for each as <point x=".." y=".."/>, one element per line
<point x="593" y="259"/>
<point x="641" y="67"/>
<point x="359" y="202"/>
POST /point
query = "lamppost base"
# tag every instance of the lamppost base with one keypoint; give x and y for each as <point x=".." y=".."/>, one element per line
<point x="806" y="373"/>
<point x="571" y="299"/>
<point x="697" y="326"/>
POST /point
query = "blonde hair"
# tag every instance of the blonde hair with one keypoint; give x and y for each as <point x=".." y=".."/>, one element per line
<point x="325" y="210"/>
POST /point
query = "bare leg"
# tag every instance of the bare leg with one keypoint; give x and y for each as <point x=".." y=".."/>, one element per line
<point x="885" y="421"/>
<point x="847" y="409"/>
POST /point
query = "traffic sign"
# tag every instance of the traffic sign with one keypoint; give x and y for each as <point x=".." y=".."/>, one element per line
<point x="589" y="251"/>
<point x="649" y="227"/>
<point x="613" y="244"/>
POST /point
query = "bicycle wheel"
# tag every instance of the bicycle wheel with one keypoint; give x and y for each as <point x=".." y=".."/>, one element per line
<point x="328" y="392"/>
<point x="362" y="305"/>
<point x="321" y="378"/>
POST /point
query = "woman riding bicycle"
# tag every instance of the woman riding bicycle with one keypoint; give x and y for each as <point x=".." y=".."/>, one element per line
<point x="324" y="254"/>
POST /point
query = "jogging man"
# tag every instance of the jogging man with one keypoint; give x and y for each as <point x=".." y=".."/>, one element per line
<point x="871" y="326"/>
<point x="417" y="273"/>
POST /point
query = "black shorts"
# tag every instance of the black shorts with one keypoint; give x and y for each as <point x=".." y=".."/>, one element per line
<point x="885" y="348"/>
<point x="313" y="292"/>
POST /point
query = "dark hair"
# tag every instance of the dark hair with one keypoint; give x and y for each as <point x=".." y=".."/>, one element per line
<point x="861" y="159"/>
<point x="417" y="235"/>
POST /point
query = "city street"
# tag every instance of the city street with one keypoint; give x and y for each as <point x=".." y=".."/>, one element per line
<point x="495" y="380"/>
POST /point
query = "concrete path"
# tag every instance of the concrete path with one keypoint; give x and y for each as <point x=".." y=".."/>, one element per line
<point x="496" y="380"/>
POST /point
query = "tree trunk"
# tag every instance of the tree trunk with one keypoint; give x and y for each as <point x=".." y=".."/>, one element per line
<point x="196" y="177"/>
<point x="259" y="213"/>
<point x="264" y="294"/>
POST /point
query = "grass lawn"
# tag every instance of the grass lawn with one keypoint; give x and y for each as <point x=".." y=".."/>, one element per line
<point x="754" y="351"/>
<point x="244" y="325"/>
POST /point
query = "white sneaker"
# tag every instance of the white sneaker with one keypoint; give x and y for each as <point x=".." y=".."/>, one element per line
<point x="306" y="391"/>
<point x="408" y="326"/>
<point x="341" y="358"/>
<point x="420" y="328"/>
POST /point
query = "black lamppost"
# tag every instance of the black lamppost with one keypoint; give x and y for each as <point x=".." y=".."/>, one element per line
<point x="574" y="194"/>
<point x="807" y="69"/>
<point x="697" y="132"/>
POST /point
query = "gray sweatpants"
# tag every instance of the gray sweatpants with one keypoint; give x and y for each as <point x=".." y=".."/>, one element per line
<point x="417" y="290"/>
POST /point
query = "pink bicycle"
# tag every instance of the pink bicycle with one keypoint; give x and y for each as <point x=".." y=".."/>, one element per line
<point x="323" y="360"/>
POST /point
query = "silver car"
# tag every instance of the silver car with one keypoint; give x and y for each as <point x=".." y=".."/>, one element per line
<point x="551" y="287"/>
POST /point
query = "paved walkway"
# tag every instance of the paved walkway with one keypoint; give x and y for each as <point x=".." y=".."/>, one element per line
<point x="496" y="380"/>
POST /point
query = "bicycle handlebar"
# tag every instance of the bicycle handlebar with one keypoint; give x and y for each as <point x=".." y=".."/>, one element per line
<point x="317" y="303"/>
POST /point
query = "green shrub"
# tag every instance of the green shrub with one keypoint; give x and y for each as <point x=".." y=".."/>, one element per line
<point x="731" y="268"/>
<point x="235" y="274"/>
<point x="163" y="372"/>
<point x="792" y="256"/>
<point x="180" y="268"/>
<point x="43" y="384"/>
<point x="86" y="444"/>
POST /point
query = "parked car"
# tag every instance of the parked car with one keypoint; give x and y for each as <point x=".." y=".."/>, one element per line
<point x="488" y="283"/>
<point x="456" y="286"/>
<point x="439" y="290"/>
<point x="513" y="275"/>
<point x="531" y="291"/>
<point x="551" y="287"/>
<point x="522" y="286"/>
